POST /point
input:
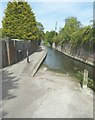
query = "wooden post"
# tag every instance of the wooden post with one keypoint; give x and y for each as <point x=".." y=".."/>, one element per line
<point x="1" y="54"/>
<point x="85" y="78"/>
<point x="8" y="52"/>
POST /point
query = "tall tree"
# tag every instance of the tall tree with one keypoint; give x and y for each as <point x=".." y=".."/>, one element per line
<point x="59" y="39"/>
<point x="71" y="25"/>
<point x="19" y="21"/>
<point x="40" y="31"/>
<point x="49" y="37"/>
<point x="0" y="32"/>
<point x="83" y="35"/>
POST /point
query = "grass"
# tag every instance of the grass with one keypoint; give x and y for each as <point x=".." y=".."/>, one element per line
<point x="91" y="83"/>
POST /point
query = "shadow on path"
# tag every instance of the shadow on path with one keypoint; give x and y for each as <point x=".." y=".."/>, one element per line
<point x="39" y="49"/>
<point x="9" y="83"/>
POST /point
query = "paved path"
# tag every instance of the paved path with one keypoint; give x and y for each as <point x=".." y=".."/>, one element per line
<point x="14" y="75"/>
<point x="46" y="95"/>
<point x="24" y="68"/>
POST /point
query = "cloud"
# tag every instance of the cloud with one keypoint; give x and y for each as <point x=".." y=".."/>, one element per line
<point x="47" y="8"/>
<point x="48" y="13"/>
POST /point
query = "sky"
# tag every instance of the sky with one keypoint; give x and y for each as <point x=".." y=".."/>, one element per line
<point x="48" y="13"/>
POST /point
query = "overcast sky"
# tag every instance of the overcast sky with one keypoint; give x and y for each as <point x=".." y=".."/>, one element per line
<point x="49" y="12"/>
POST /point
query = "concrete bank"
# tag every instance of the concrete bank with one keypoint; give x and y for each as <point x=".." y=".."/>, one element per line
<point x="74" y="57"/>
<point x="41" y="59"/>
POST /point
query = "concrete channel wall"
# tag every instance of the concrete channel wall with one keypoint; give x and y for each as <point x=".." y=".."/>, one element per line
<point x="80" y="53"/>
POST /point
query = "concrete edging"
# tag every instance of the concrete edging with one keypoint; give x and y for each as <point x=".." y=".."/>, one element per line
<point x="79" y="59"/>
<point x="76" y="58"/>
<point x="39" y="63"/>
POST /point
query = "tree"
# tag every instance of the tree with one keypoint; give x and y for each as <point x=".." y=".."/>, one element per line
<point x="40" y="31"/>
<point x="0" y="32"/>
<point x="71" y="25"/>
<point x="19" y="21"/>
<point x="49" y="37"/>
<point x="46" y="38"/>
<point x="59" y="39"/>
<point x="83" y="36"/>
<point x="87" y="34"/>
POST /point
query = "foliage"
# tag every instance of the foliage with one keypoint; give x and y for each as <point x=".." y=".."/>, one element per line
<point x="79" y="75"/>
<point x="87" y="34"/>
<point x="49" y="37"/>
<point x="91" y="83"/>
<point x="40" y="31"/>
<point x="76" y="37"/>
<point x="71" y="25"/>
<point x="59" y="39"/>
<point x="65" y="33"/>
<point x="46" y="37"/>
<point x="75" y="33"/>
<point x="82" y="36"/>
<point x="0" y="32"/>
<point x="19" y="21"/>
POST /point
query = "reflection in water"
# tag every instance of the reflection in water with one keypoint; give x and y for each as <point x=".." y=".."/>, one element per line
<point x="58" y="61"/>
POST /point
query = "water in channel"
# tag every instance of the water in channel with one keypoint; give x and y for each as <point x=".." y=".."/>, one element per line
<point x="59" y="62"/>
